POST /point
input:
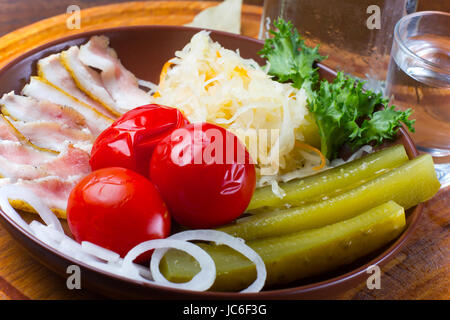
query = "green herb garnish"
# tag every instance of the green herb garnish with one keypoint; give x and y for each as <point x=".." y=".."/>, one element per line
<point x="345" y="113"/>
<point x="289" y="58"/>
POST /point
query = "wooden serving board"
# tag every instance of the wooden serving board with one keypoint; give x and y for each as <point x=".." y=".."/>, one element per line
<point x="420" y="271"/>
<point x="124" y="14"/>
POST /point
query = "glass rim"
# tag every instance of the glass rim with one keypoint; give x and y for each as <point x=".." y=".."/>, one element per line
<point x="405" y="48"/>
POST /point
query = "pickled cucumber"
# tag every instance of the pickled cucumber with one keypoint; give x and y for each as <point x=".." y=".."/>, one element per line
<point x="411" y="183"/>
<point x="298" y="255"/>
<point x="331" y="182"/>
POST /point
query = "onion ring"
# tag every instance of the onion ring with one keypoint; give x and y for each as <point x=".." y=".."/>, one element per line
<point x="99" y="252"/>
<point x="200" y="282"/>
<point x="218" y="237"/>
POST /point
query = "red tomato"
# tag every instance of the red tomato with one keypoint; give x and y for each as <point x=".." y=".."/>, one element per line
<point x="117" y="209"/>
<point x="204" y="174"/>
<point x="130" y="140"/>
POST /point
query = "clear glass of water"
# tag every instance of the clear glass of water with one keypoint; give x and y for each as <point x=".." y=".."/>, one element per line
<point x="356" y="35"/>
<point x="419" y="78"/>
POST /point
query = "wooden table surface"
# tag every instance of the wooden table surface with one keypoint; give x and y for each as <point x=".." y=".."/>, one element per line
<point x="420" y="271"/>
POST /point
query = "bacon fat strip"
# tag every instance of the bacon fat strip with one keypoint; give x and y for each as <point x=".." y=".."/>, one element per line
<point x="52" y="70"/>
<point x="14" y="171"/>
<point x="6" y="132"/>
<point x="52" y="190"/>
<point x="88" y="80"/>
<point x="5" y="122"/>
<point x="121" y="84"/>
<point x="41" y="89"/>
<point x="27" y="109"/>
<point x="70" y="160"/>
<point x="52" y="135"/>
<point x="22" y="161"/>
<point x="17" y="152"/>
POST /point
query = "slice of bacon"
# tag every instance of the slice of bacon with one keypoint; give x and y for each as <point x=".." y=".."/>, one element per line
<point x="6" y="131"/>
<point x="121" y="84"/>
<point x="40" y="89"/>
<point x="16" y="135"/>
<point x="88" y="80"/>
<point x="21" y="108"/>
<point x="52" y="135"/>
<point x="13" y="171"/>
<point x="18" y="153"/>
<point x="21" y="161"/>
<point x="52" y="70"/>
<point x="70" y="162"/>
<point x="52" y="190"/>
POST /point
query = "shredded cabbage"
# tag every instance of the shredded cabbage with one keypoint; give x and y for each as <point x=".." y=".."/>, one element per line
<point x="209" y="83"/>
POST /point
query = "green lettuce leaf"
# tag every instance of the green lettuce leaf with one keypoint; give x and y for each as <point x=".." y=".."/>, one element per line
<point x="346" y="113"/>
<point x="289" y="59"/>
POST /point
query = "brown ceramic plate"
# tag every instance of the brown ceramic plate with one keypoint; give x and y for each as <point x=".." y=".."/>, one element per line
<point x="144" y="50"/>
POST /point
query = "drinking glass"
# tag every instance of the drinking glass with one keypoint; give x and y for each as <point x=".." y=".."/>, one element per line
<point x="419" y="78"/>
<point x="356" y="35"/>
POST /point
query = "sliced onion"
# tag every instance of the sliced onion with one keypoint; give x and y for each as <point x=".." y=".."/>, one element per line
<point x="200" y="282"/>
<point x="358" y="154"/>
<point x="337" y="162"/>
<point x="149" y="85"/>
<point x="99" y="252"/>
<point x="18" y="193"/>
<point x="61" y="242"/>
<point x="218" y="237"/>
<point x="47" y="234"/>
<point x="38" y="229"/>
<point x="5" y="193"/>
<point x="51" y="233"/>
<point x="71" y="248"/>
<point x="143" y="271"/>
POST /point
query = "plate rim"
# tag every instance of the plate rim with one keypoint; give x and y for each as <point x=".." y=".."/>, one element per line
<point x="316" y="287"/>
